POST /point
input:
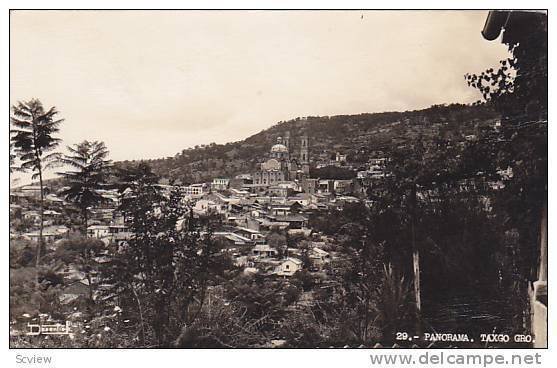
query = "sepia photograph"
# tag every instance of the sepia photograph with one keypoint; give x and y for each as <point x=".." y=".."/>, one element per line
<point x="278" y="179"/>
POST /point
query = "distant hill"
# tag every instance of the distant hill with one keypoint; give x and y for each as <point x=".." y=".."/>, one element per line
<point x="360" y="137"/>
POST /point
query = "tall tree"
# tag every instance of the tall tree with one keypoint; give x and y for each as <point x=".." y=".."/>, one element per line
<point x="34" y="144"/>
<point x="167" y="265"/>
<point x="92" y="167"/>
<point x="518" y="91"/>
<point x="13" y="156"/>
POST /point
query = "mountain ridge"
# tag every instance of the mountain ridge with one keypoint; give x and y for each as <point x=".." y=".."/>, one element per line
<point x="359" y="136"/>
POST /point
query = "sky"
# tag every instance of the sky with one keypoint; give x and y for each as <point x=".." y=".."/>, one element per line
<point x="152" y="83"/>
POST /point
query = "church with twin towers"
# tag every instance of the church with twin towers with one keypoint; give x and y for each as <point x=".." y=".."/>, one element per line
<point x="283" y="164"/>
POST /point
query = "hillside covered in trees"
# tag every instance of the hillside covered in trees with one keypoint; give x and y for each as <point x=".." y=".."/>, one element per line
<point x="360" y="137"/>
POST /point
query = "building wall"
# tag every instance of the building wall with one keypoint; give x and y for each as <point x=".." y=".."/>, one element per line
<point x="220" y="184"/>
<point x="195" y="190"/>
<point x="288" y="267"/>
<point x="268" y="177"/>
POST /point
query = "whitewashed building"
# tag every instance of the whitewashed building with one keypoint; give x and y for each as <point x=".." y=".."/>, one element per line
<point x="220" y="183"/>
<point x="288" y="267"/>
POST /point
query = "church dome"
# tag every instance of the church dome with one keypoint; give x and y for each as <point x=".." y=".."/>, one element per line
<point x="271" y="164"/>
<point x="279" y="148"/>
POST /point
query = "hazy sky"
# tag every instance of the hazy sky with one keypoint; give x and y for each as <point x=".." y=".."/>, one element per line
<point x="151" y="83"/>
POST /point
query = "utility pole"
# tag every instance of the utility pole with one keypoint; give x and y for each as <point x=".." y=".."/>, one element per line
<point x="415" y="262"/>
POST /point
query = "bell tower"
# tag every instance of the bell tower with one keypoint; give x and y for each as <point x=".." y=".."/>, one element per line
<point x="304" y="153"/>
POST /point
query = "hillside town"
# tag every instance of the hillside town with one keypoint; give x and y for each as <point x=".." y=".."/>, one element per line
<point x="279" y="198"/>
<point x="264" y="222"/>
